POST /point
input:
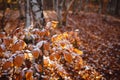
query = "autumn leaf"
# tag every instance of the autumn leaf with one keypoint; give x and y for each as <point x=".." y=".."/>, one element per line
<point x="29" y="75"/>
<point x="20" y="45"/>
<point x="78" y="62"/>
<point x="77" y="51"/>
<point x="7" y="41"/>
<point x="2" y="35"/>
<point x="18" y="60"/>
<point x="68" y="57"/>
<point x="19" y="76"/>
<point x="36" y="53"/>
<point x="55" y="56"/>
<point x="46" y="46"/>
<point x="7" y="65"/>
<point x="46" y="62"/>
<point x="2" y="48"/>
<point x="54" y="24"/>
<point x="38" y="67"/>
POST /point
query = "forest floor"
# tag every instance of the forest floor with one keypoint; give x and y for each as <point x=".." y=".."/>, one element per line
<point x="99" y="40"/>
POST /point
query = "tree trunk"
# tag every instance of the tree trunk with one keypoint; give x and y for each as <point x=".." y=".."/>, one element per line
<point x="34" y="11"/>
<point x="28" y="15"/>
<point x="37" y="9"/>
<point x="80" y="6"/>
<point x="55" y="4"/>
<point x="117" y="9"/>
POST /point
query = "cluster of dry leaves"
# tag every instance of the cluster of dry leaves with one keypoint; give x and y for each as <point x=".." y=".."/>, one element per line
<point x="34" y="54"/>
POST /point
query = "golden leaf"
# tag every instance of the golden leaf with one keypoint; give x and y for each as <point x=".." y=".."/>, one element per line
<point x="47" y="33"/>
<point x="54" y="24"/>
<point x="77" y="51"/>
<point x="28" y="56"/>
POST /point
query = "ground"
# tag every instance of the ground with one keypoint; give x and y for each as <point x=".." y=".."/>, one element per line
<point x="99" y="39"/>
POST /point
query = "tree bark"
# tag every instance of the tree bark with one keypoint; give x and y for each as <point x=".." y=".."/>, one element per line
<point x="28" y="15"/>
<point x="37" y="9"/>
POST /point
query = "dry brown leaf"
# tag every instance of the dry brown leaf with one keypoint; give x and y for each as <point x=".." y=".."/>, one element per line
<point x="47" y="33"/>
<point x="46" y="62"/>
<point x="38" y="67"/>
<point x="2" y="35"/>
<point x="36" y="53"/>
<point x="46" y="46"/>
<point x="18" y="61"/>
<point x="79" y="62"/>
<point x="19" y="76"/>
<point x="7" y="65"/>
<point x="68" y="57"/>
<point x="55" y="56"/>
<point x="7" y="41"/>
<point x="29" y="75"/>
<point x="42" y="33"/>
<point x="20" y="45"/>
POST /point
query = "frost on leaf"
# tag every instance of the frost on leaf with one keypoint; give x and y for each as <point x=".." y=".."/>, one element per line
<point x="19" y="45"/>
<point x="2" y="35"/>
<point x="2" y="48"/>
<point x="39" y="44"/>
<point x="36" y="52"/>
